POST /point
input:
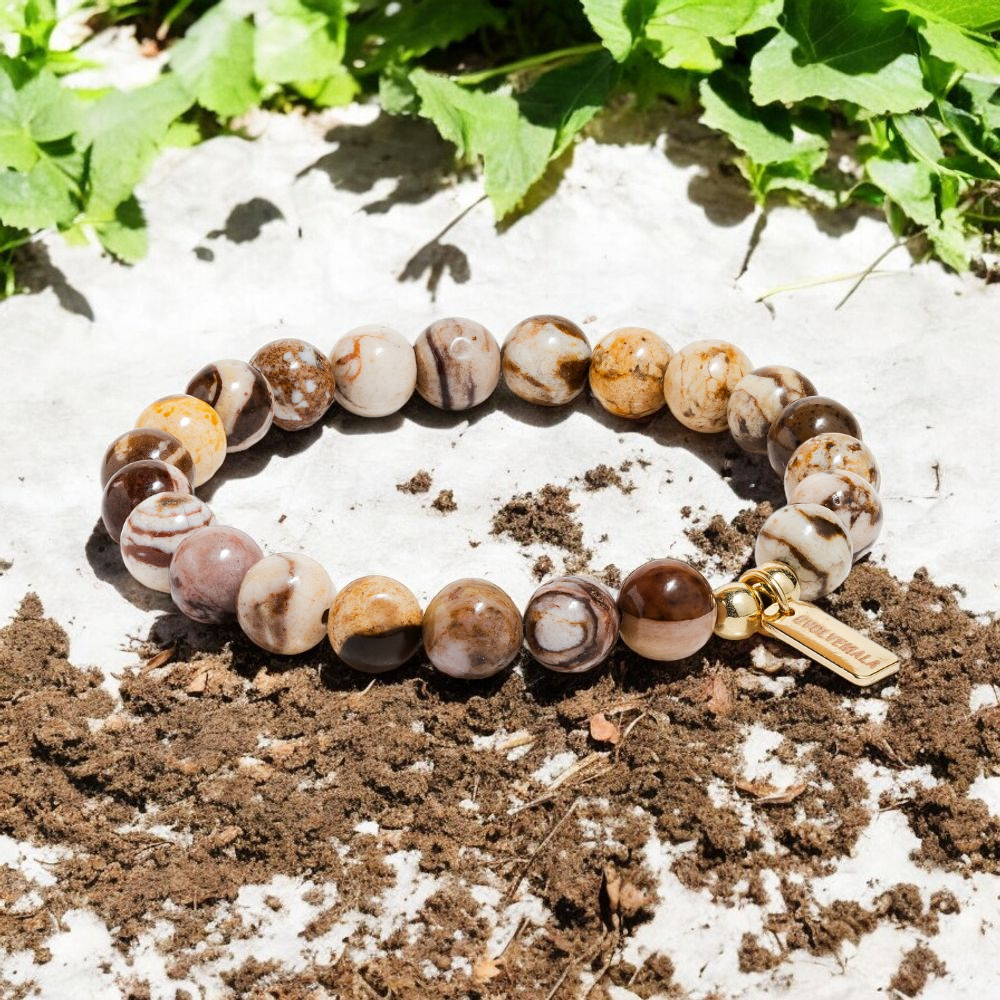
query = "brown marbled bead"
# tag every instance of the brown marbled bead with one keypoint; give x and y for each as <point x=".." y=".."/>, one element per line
<point x="667" y="610"/>
<point x="142" y="443"/>
<point x="301" y="378"/>
<point x="757" y="401"/>
<point x="571" y="624"/>
<point x="241" y="396"/>
<point x="805" y="418"/>
<point x="207" y="569"/>
<point x="471" y="630"/>
<point x="129" y="486"/>
<point x="375" y="624"/>
<point x="546" y="360"/>
<point x="831" y="452"/>
<point x="627" y="370"/>
<point x="458" y="363"/>
<point x="852" y="498"/>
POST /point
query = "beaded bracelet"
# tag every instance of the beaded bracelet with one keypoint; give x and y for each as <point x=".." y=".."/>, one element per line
<point x="665" y="610"/>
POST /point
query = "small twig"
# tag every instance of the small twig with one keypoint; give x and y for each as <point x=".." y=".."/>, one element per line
<point x="832" y="279"/>
<point x="513" y="742"/>
<point x="534" y="854"/>
<point x="871" y="267"/>
<point x="630" y="727"/>
<point x="571" y="965"/>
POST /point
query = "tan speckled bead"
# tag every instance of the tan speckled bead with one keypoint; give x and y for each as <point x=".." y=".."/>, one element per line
<point x="831" y="452"/>
<point x="301" y="380"/>
<point x="851" y="498"/>
<point x="375" y="624"/>
<point x="472" y="630"/>
<point x="546" y="360"/>
<point x="699" y="380"/>
<point x="813" y="541"/>
<point x="626" y="372"/>
<point x="196" y="425"/>
<point x="283" y="603"/>
<point x="757" y="401"/>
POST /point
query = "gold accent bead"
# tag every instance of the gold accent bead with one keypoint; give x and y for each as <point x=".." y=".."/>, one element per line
<point x="774" y="583"/>
<point x="737" y="611"/>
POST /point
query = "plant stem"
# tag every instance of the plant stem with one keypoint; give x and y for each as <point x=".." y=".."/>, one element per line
<point x="531" y="62"/>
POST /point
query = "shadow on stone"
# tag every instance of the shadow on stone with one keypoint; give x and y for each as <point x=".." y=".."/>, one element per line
<point x="105" y="559"/>
<point x="246" y="221"/>
<point x="36" y="273"/>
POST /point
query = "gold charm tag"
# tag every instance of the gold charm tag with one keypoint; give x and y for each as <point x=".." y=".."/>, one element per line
<point x="766" y="600"/>
<point x="831" y="643"/>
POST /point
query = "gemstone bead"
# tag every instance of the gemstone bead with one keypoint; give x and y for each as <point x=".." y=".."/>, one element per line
<point x="129" y="486"/>
<point x="546" y="360"/>
<point x="458" y="363"/>
<point x="757" y="401"/>
<point x="301" y="379"/>
<point x="241" y="397"/>
<point x="207" y="570"/>
<point x="284" y="602"/>
<point x="571" y="624"/>
<point x="153" y="532"/>
<point x="626" y="372"/>
<point x="471" y="630"/>
<point x="375" y="624"/>
<point x="375" y="370"/>
<point x="834" y="453"/>
<point x="699" y="380"/>
<point x="667" y="610"/>
<point x="851" y="498"/>
<point x="813" y="541"/>
<point x="196" y="425"/>
<point x="803" y="419"/>
<point x="145" y="443"/>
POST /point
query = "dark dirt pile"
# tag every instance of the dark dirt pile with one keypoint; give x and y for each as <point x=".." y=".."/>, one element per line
<point x="263" y="768"/>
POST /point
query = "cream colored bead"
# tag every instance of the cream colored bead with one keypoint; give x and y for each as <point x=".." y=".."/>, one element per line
<point x="375" y="370"/>
<point x="196" y="425"/>
<point x="699" y="381"/>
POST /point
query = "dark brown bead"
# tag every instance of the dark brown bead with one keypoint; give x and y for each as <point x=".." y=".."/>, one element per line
<point x="667" y="610"/>
<point x="129" y="486"/>
<point x="804" y="419"/>
<point x="142" y="443"/>
<point x="241" y="396"/>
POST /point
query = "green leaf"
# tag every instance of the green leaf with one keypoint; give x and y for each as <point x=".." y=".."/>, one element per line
<point x="215" y="61"/>
<point x="125" y="236"/>
<point x="767" y="135"/>
<point x="947" y="236"/>
<point x="910" y="185"/>
<point x="618" y="23"/>
<point x="41" y="198"/>
<point x="405" y="31"/>
<point x="951" y="44"/>
<point x="920" y="138"/>
<point x="125" y="130"/>
<point x="298" y="40"/>
<point x="981" y="14"/>
<point x="40" y="110"/>
<point x="515" y="135"/>
<point x="847" y="50"/>
<point x="396" y="92"/>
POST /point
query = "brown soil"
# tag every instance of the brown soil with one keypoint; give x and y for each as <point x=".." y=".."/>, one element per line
<point x="445" y="502"/>
<point x="419" y="482"/>
<point x="262" y="767"/>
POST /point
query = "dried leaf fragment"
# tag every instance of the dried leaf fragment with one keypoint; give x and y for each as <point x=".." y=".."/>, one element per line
<point x="161" y="658"/>
<point x="719" y="699"/>
<point x="603" y="730"/>
<point x="767" y="795"/>
<point x="486" y="969"/>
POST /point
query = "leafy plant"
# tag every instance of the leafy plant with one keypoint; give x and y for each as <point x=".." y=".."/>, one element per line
<point x="908" y="94"/>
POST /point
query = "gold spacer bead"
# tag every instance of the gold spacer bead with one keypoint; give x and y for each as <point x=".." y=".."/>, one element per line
<point x="774" y="583"/>
<point x="737" y="611"/>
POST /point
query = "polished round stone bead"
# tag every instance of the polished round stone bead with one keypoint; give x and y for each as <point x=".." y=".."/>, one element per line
<point x="458" y="363"/>
<point x="375" y="370"/>
<point x="301" y="380"/>
<point x="153" y="532"/>
<point x="196" y="425"/>
<point x="242" y="398"/>
<point x="207" y="570"/>
<point x="667" y="610"/>
<point x="813" y="541"/>
<point x="375" y="624"/>
<point x="851" y="498"/>
<point x="831" y="453"/>
<point x="129" y="486"/>
<point x="626" y="372"/>
<point x="546" y="360"/>
<point x="757" y="401"/>
<point x="571" y="624"/>
<point x="699" y="380"/>
<point x="143" y="443"/>
<point x="284" y="602"/>
<point x="471" y="630"/>
<point x="803" y="419"/>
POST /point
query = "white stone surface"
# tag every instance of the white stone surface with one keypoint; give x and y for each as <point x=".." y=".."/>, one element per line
<point x="637" y="234"/>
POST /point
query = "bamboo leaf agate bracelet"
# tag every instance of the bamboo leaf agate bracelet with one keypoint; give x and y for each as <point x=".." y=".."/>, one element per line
<point x="665" y="611"/>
